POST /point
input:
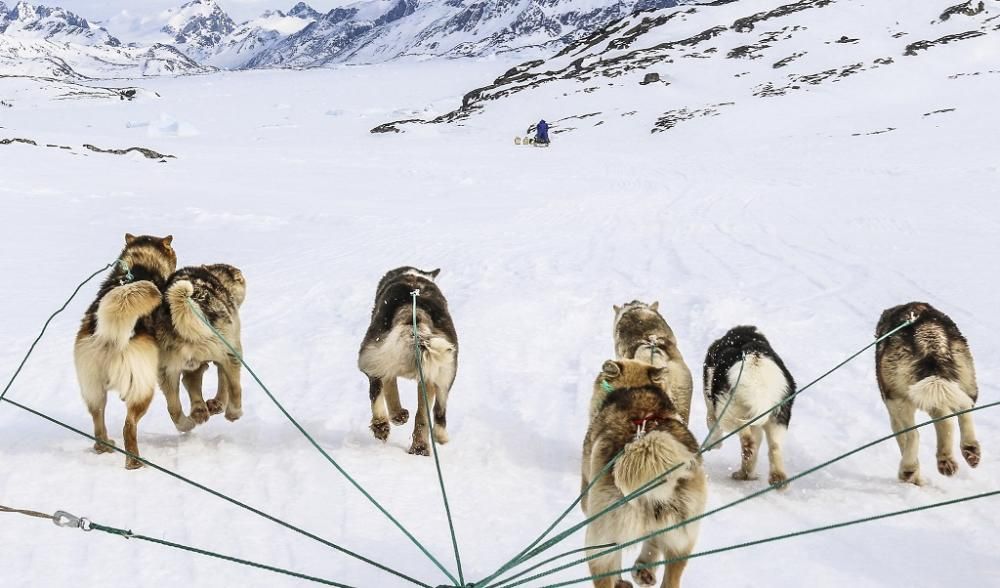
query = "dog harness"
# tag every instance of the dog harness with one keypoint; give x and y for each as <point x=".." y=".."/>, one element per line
<point x="640" y="424"/>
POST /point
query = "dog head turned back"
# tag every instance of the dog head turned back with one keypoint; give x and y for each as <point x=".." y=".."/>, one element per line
<point x="231" y="278"/>
<point x="152" y="255"/>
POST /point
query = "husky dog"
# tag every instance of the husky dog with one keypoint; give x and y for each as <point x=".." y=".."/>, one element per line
<point x="641" y="333"/>
<point x="187" y="344"/>
<point x="926" y="366"/>
<point x="764" y="382"/>
<point x="636" y="416"/>
<point x="115" y="346"/>
<point x="388" y="352"/>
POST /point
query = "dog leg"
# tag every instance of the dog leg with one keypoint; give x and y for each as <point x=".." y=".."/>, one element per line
<point x="232" y="368"/>
<point x="136" y="409"/>
<point x="775" y="437"/>
<point x="650" y="552"/>
<point x="421" y="423"/>
<point x="750" y="439"/>
<point x="970" y="446"/>
<point x="218" y="404"/>
<point x="192" y="382"/>
<point x="441" y="415"/>
<point x="607" y="563"/>
<point x="902" y="415"/>
<point x="946" y="463"/>
<point x="380" y="418"/>
<point x="170" y="384"/>
<point x="96" y="398"/>
<point x="397" y="413"/>
<point x="672" y="578"/>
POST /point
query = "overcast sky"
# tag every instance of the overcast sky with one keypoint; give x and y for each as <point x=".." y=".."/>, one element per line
<point x="239" y="10"/>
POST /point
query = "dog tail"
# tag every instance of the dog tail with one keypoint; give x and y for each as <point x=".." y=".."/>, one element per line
<point x="187" y="323"/>
<point x="936" y="393"/>
<point x="119" y="310"/>
<point x="648" y="457"/>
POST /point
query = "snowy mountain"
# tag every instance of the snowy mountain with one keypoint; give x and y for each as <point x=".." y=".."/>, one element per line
<point x="56" y="43"/>
<point x="751" y="49"/>
<point x="199" y="25"/>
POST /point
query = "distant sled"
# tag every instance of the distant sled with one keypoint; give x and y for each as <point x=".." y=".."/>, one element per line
<point x="529" y="141"/>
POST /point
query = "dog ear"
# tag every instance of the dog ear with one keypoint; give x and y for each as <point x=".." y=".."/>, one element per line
<point x="167" y="240"/>
<point x="129" y="238"/>
<point x="434" y="273"/>
<point x="617" y="308"/>
<point x="611" y="369"/>
<point x="655" y="305"/>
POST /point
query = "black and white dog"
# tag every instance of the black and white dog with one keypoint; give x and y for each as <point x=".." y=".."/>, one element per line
<point x="764" y="382"/>
<point x="388" y="352"/>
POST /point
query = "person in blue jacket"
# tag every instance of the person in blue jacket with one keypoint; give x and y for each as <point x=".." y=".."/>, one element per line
<point x="542" y="132"/>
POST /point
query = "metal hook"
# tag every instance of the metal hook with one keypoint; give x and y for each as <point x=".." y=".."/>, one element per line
<point x="67" y="520"/>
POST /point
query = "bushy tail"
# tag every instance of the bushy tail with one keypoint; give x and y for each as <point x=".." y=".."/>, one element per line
<point x="935" y="393"/>
<point x="187" y="324"/>
<point x="647" y="458"/>
<point x="120" y="308"/>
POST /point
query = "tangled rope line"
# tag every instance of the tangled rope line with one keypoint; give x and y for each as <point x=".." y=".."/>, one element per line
<point x="536" y="547"/>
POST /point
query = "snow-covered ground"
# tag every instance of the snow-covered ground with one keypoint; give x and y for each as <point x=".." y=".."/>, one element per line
<point x="775" y="214"/>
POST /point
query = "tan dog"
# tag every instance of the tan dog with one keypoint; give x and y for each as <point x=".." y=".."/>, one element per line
<point x="115" y="347"/>
<point x="634" y="413"/>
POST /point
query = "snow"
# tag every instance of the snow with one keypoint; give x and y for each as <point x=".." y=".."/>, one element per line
<point x="772" y="213"/>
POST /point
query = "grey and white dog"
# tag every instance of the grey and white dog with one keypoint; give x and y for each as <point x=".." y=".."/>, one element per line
<point x="641" y="333"/>
<point x="187" y="344"/>
<point x="927" y="366"/>
<point x="388" y="352"/>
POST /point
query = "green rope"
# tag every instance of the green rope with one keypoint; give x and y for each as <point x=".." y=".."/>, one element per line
<point x="127" y="534"/>
<point x="770" y="488"/>
<point x="312" y="441"/>
<point x="217" y="494"/>
<point x="31" y="349"/>
<point x="437" y="463"/>
<point x="779" y="538"/>
<point x="661" y="478"/>
<point x="732" y="395"/>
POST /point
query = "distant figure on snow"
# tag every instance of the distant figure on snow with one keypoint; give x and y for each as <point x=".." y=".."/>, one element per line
<point x="542" y="132"/>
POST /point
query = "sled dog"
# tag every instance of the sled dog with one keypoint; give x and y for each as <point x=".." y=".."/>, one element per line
<point x="115" y="348"/>
<point x="388" y="352"/>
<point x="187" y="344"/>
<point x="636" y="416"/>
<point x="927" y="366"/>
<point x="641" y="333"/>
<point x="764" y="382"/>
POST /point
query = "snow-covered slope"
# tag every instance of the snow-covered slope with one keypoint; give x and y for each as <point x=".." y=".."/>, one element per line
<point x="693" y="62"/>
<point x="26" y="21"/>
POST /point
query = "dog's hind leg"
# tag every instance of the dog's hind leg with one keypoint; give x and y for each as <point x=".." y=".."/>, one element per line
<point x="441" y="415"/>
<point x="902" y="415"/>
<point x="380" y="418"/>
<point x="650" y="552"/>
<point x="970" y="446"/>
<point x="397" y="413"/>
<point x="421" y="423"/>
<point x="192" y="383"/>
<point x="96" y="398"/>
<point x="137" y="407"/>
<point x="750" y="439"/>
<point x="170" y="384"/>
<point x="231" y="370"/>
<point x="775" y="438"/>
<point x="946" y="463"/>
<point x="672" y="577"/>
<point x="218" y="404"/>
<point x="607" y="563"/>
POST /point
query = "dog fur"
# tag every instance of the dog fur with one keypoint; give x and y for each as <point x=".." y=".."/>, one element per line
<point x="187" y="345"/>
<point x="115" y="348"/>
<point x="765" y="382"/>
<point x="927" y="366"/>
<point x="387" y="353"/>
<point x="641" y="333"/>
<point x="626" y="392"/>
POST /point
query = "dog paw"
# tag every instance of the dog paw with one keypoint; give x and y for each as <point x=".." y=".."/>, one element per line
<point x="380" y="429"/>
<point x="199" y="414"/>
<point x="401" y="417"/>
<point x="102" y="448"/>
<point x="743" y="476"/>
<point x="419" y="448"/>
<point x="645" y="577"/>
<point x="440" y="434"/>
<point x="779" y="480"/>
<point x="132" y="463"/>
<point x="185" y="424"/>
<point x="947" y="466"/>
<point x="971" y="454"/>
<point x="623" y="584"/>
<point x="910" y="476"/>
<point x="233" y="413"/>
<point x="215" y="406"/>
